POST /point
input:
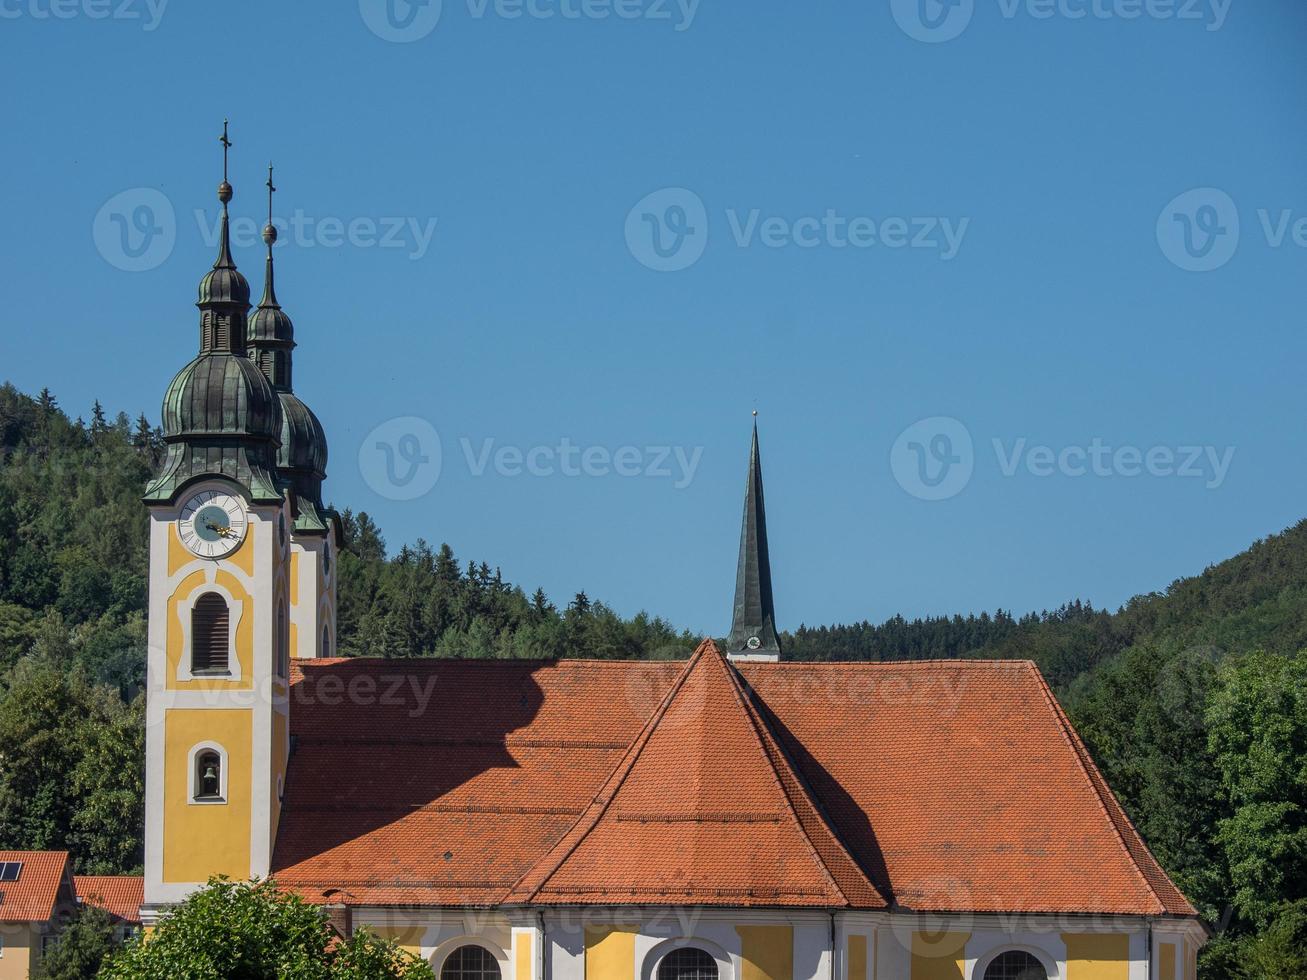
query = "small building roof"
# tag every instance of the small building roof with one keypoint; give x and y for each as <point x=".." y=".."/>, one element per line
<point x="33" y="891"/>
<point x="120" y="895"/>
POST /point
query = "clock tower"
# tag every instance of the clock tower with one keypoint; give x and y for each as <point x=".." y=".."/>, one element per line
<point x="224" y="520"/>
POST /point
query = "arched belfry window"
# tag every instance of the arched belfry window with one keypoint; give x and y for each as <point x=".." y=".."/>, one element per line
<point x="470" y="963"/>
<point x="1015" y="964"/>
<point x="208" y="777"/>
<point x="210" y="636"/>
<point x="687" y="963"/>
<point x="326" y="642"/>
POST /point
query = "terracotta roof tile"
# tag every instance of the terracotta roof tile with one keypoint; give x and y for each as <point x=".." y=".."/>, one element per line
<point x="120" y="895"/>
<point x="42" y="883"/>
<point x="948" y="785"/>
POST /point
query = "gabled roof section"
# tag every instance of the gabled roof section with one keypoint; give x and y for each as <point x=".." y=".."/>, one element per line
<point x="39" y="888"/>
<point x="704" y="808"/>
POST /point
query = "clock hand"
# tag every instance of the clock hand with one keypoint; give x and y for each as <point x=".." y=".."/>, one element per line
<point x="218" y="529"/>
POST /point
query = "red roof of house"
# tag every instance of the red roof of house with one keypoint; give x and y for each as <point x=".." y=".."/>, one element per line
<point x="120" y="895"/>
<point x="946" y="785"/>
<point x="36" y="893"/>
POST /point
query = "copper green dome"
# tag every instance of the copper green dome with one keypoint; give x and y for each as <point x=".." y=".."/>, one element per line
<point x="269" y="325"/>
<point x="221" y="394"/>
<point x="303" y="449"/>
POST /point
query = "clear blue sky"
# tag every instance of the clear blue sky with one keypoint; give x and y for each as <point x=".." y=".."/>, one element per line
<point x="1054" y="142"/>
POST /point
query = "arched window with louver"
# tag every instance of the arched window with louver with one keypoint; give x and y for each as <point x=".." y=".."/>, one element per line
<point x="210" y="636"/>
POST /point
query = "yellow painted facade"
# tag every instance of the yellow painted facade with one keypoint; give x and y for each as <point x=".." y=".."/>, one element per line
<point x="857" y="958"/>
<point x="1097" y="956"/>
<point x="766" y="952"/>
<point x="407" y="938"/>
<point x="609" y="954"/>
<point x="21" y="943"/>
<point x="939" y="956"/>
<point x="1166" y="962"/>
<point x="205" y="839"/>
<point x="523" y="949"/>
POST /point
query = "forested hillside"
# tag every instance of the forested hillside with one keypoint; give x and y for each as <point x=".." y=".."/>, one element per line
<point x="1192" y="700"/>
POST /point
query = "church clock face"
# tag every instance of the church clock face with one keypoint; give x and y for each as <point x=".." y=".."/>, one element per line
<point x="212" y="524"/>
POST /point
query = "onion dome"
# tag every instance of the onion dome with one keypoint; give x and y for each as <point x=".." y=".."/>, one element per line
<point x="221" y="416"/>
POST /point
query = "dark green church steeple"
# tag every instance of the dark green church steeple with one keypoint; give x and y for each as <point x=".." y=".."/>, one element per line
<point x="221" y="417"/>
<point x="753" y="623"/>
<point x="302" y="458"/>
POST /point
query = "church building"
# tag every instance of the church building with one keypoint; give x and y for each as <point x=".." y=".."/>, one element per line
<point x="734" y="816"/>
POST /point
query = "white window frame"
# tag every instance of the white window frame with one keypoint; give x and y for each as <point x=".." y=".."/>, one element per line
<point x="445" y="949"/>
<point x="192" y="777"/>
<point x="234" y="611"/>
<point x="1052" y="968"/>
<point x="654" y="958"/>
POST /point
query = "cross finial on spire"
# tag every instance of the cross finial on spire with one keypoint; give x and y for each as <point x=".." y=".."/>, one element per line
<point x="226" y="145"/>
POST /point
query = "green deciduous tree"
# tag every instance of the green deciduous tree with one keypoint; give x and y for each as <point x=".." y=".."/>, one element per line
<point x="83" y="945"/>
<point x="252" y="932"/>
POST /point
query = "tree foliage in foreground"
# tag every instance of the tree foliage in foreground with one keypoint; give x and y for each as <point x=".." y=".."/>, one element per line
<point x="85" y="942"/>
<point x="253" y="931"/>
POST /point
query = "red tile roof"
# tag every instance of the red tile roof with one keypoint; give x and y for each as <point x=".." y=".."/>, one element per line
<point x="120" y="895"/>
<point x="949" y="785"/>
<point x="42" y="885"/>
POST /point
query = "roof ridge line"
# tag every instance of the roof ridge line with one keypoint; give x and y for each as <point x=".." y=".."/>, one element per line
<point x="734" y="681"/>
<point x="1086" y="763"/>
<point x="599" y="804"/>
<point x="770" y="743"/>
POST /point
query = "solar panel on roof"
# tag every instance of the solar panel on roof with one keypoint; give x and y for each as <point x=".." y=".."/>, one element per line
<point x="10" y="870"/>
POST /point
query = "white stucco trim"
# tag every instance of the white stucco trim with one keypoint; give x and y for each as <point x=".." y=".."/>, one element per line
<point x="192" y="782"/>
<point x="441" y="953"/>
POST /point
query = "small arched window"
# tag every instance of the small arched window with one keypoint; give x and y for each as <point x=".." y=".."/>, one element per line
<point x="687" y="963"/>
<point x="326" y="642"/>
<point x="1015" y="964"/>
<point x="208" y="776"/>
<point x="283" y="640"/>
<point x="470" y="963"/>
<point x="210" y="639"/>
